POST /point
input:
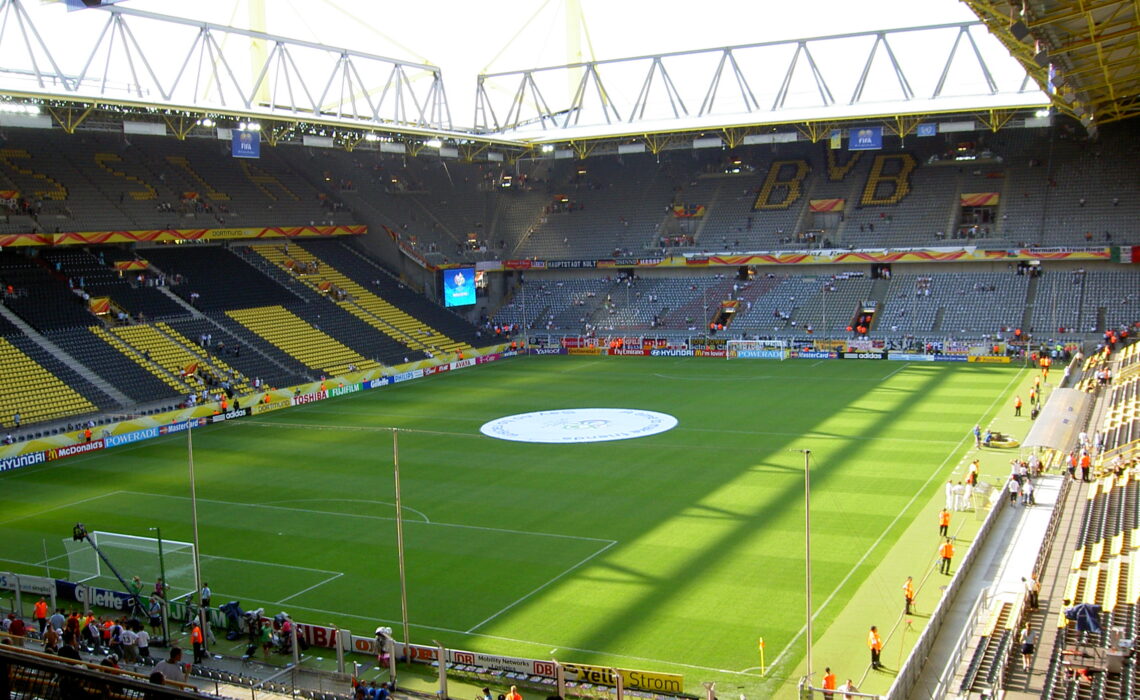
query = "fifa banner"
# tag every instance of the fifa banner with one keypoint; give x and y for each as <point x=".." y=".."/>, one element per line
<point x="980" y="199"/>
<point x="865" y="138"/>
<point x="757" y="349"/>
<point x="826" y="205"/>
<point x="245" y="144"/>
<point x="99" y="305"/>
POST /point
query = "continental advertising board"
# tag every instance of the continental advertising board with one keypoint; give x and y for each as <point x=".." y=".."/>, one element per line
<point x="667" y="683"/>
<point x="670" y="683"/>
<point x="991" y="359"/>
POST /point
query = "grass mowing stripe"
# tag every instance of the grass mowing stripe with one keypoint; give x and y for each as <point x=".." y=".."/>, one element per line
<point x="312" y="587"/>
<point x="536" y="590"/>
<point x="862" y="559"/>
<point x="694" y="524"/>
<point x="422" y="515"/>
<point x="73" y="504"/>
<point x="374" y="517"/>
<point x="726" y="431"/>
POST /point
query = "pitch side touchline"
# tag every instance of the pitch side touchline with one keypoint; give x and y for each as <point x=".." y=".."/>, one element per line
<point x="378" y="517"/>
<point x="546" y="645"/>
<point x="737" y="378"/>
<point x="887" y="529"/>
<point x="536" y="590"/>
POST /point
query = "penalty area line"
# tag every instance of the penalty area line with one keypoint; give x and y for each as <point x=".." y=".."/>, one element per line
<point x="315" y="585"/>
<point x="543" y="586"/>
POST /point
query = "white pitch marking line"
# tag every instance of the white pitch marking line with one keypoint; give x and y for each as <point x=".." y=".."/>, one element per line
<point x="545" y="645"/>
<point x="887" y="529"/>
<point x="347" y="500"/>
<point x="315" y="585"/>
<point x="380" y="517"/>
<point x="528" y="595"/>
<point x="738" y="378"/>
<point x="904" y="366"/>
<point x="269" y="563"/>
<point x="373" y="619"/>
<point x="39" y="564"/>
<point x="65" y="505"/>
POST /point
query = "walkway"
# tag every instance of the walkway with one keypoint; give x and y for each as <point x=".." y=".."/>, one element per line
<point x="1007" y="556"/>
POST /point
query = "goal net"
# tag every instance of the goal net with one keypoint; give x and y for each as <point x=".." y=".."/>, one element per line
<point x="133" y="556"/>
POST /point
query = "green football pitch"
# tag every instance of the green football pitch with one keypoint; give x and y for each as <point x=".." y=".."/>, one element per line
<point x="674" y="552"/>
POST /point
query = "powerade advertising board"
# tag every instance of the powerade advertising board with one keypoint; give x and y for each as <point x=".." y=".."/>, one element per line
<point x="459" y="286"/>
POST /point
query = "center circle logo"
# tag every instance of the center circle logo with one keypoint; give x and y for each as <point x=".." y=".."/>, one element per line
<point x="575" y="425"/>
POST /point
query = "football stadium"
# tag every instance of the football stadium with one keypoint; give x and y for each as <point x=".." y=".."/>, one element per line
<point x="559" y="351"/>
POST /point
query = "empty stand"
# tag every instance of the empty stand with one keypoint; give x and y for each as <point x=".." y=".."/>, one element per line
<point x="33" y="392"/>
<point x="307" y="344"/>
<point x="110" y="363"/>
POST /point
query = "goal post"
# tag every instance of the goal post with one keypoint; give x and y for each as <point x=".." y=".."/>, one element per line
<point x="132" y="555"/>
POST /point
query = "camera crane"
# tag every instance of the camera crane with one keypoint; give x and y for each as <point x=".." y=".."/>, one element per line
<point x="79" y="534"/>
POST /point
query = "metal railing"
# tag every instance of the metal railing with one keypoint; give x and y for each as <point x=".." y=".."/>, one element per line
<point x="911" y="670"/>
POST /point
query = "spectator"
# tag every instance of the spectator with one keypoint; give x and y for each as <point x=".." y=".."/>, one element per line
<point x="171" y="668"/>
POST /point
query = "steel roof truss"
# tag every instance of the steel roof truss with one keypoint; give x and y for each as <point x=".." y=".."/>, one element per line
<point x="904" y="85"/>
<point x="676" y="104"/>
<point x="26" y="25"/>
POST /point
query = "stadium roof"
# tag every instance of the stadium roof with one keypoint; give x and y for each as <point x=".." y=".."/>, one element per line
<point x="1085" y="53"/>
<point x="562" y="70"/>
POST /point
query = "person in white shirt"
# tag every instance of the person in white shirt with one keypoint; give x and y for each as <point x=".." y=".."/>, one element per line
<point x="142" y="642"/>
<point x="171" y="669"/>
<point x="128" y="641"/>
